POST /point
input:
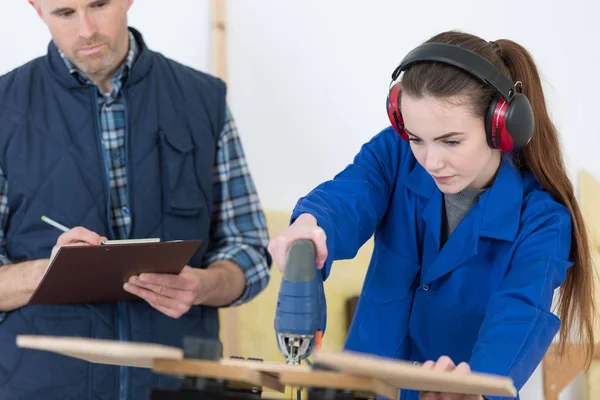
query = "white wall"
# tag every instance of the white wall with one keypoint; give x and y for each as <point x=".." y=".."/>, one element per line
<point x="180" y="32"/>
<point x="308" y="78"/>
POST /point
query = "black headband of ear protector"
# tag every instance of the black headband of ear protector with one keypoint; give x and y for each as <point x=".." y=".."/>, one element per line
<point x="463" y="59"/>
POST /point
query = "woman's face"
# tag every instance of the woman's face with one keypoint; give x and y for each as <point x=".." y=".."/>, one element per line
<point x="449" y="142"/>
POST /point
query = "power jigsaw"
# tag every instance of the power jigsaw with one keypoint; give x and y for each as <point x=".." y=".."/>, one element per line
<point x="301" y="313"/>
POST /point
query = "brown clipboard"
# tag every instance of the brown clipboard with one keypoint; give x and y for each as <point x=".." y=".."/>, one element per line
<point x="90" y="274"/>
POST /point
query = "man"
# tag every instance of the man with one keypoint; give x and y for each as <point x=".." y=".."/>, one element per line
<point x="104" y="135"/>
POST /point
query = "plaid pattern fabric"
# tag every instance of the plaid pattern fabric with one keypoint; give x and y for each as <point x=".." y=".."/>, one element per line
<point x="238" y="224"/>
<point x="113" y="124"/>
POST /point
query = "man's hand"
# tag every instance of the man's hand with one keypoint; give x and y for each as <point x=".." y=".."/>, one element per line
<point x="218" y="285"/>
<point x="446" y="364"/>
<point x="79" y="236"/>
<point x="173" y="295"/>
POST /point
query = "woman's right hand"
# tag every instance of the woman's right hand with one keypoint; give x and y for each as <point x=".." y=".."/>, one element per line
<point x="304" y="227"/>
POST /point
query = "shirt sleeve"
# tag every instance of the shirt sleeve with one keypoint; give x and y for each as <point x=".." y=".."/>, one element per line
<point x="351" y="205"/>
<point x="518" y="326"/>
<point x="238" y="229"/>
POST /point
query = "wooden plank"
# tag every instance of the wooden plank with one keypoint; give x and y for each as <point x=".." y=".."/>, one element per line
<point x="112" y="352"/>
<point x="589" y="196"/>
<point x="592" y="381"/>
<point x="219" y="38"/>
<point x="557" y="372"/>
<point x="212" y="369"/>
<point x="405" y="375"/>
<point x="357" y="372"/>
<point x="228" y="316"/>
<point x="385" y="389"/>
<point x="135" y="354"/>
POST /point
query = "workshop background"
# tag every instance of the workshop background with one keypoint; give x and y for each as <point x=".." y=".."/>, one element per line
<point x="307" y="85"/>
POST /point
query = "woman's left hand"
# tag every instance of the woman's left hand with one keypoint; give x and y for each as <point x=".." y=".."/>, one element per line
<point x="444" y="363"/>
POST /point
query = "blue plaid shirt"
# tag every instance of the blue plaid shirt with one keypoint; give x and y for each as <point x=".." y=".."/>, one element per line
<point x="239" y="231"/>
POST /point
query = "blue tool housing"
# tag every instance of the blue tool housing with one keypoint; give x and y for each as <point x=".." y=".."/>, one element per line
<point x="301" y="306"/>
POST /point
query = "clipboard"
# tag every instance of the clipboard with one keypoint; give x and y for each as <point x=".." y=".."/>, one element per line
<point x="91" y="274"/>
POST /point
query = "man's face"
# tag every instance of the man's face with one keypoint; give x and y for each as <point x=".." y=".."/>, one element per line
<point x="92" y="34"/>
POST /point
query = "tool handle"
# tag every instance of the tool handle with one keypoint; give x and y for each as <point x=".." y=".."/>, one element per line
<point x="301" y="262"/>
<point x="301" y="307"/>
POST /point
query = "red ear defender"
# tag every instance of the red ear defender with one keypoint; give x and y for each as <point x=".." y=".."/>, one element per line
<point x="496" y="132"/>
<point x="509" y="127"/>
<point x="393" y="110"/>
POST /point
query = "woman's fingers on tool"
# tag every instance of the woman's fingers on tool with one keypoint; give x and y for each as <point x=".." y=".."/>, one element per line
<point x="278" y="248"/>
<point x="79" y="235"/>
<point x="302" y="228"/>
<point x="320" y="240"/>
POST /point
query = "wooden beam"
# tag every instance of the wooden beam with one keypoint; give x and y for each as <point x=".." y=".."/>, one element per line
<point x="385" y="389"/>
<point x="405" y="375"/>
<point x="101" y="351"/>
<point x="219" y="39"/>
<point x="216" y="370"/>
<point x="558" y="373"/>
<point x="274" y="368"/>
<point x="228" y="316"/>
<point x="353" y="371"/>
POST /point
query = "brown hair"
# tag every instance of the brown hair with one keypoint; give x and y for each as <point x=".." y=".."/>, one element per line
<point x="576" y="302"/>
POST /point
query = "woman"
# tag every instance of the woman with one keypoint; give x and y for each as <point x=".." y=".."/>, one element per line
<point x="475" y="220"/>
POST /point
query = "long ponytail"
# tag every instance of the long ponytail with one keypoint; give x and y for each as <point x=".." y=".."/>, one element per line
<point x="543" y="157"/>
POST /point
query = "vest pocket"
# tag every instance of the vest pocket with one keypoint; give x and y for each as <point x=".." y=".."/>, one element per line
<point x="181" y="189"/>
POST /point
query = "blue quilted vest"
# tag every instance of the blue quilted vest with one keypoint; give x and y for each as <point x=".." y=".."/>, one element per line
<point x="50" y="151"/>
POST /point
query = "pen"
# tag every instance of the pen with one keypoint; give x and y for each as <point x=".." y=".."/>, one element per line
<point x="54" y="223"/>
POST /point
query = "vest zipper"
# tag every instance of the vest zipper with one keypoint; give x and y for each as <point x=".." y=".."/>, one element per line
<point x="124" y="372"/>
<point x="127" y="164"/>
